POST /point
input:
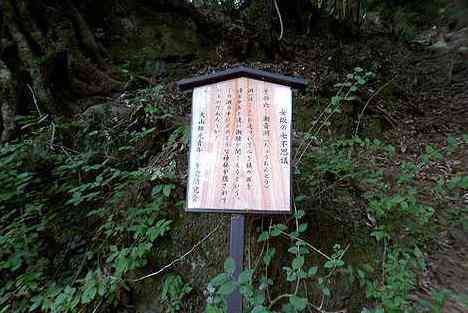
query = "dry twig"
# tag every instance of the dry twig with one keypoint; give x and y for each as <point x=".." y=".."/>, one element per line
<point x="179" y="259"/>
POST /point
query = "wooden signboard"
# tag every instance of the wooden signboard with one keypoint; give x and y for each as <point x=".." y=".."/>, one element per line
<point x="240" y="152"/>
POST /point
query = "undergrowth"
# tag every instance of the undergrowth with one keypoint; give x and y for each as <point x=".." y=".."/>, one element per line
<point x="80" y="211"/>
<point x="393" y="222"/>
<point x="85" y="205"/>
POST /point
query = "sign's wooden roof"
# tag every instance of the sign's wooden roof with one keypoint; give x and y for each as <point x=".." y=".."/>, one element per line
<point x="241" y="71"/>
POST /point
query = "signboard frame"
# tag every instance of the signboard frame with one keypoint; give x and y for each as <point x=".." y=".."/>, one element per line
<point x="232" y="74"/>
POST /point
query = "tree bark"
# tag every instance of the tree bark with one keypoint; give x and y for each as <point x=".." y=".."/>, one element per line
<point x="86" y="37"/>
<point x="28" y="45"/>
<point x="7" y="104"/>
<point x="52" y="58"/>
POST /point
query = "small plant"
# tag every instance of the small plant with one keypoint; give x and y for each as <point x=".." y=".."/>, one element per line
<point x="255" y="284"/>
<point x="173" y="291"/>
<point x="346" y="92"/>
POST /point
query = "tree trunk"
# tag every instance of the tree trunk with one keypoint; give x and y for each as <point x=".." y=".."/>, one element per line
<point x="52" y="56"/>
<point x="7" y="104"/>
<point x="85" y="36"/>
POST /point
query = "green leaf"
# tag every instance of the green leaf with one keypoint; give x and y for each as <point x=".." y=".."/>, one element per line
<point x="294" y="250"/>
<point x="312" y="271"/>
<point x="167" y="190"/>
<point x="390" y="150"/>
<point x="464" y="182"/>
<point x="433" y="153"/>
<point x="326" y="291"/>
<point x="458" y="182"/>
<point x="259" y="299"/>
<point x="298" y="262"/>
<point x="88" y="295"/>
<point x="451" y="144"/>
<point x="299" y="214"/>
<point x="227" y="288"/>
<point x="229" y="265"/>
<point x="278" y="229"/>
<point x="290" y="274"/>
<point x="379" y="234"/>
<point x="260" y="309"/>
<point x="6" y="308"/>
<point x="102" y="289"/>
<point x="246" y="290"/>
<point x="299" y="198"/>
<point x="269" y="256"/>
<point x="245" y="277"/>
<point x="219" y="279"/>
<point x="336" y="100"/>
<point x="36" y="303"/>
<point x="263" y="236"/>
<point x="339" y="263"/>
<point x="298" y="303"/>
<point x="302" y="228"/>
<point x="330" y="264"/>
<point x="213" y="309"/>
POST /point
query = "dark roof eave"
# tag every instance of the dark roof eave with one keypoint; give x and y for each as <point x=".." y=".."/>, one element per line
<point x="241" y="71"/>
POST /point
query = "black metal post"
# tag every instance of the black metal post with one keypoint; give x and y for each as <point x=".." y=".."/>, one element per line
<point x="236" y="251"/>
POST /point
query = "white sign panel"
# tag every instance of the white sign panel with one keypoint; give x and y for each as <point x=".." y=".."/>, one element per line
<point x="240" y="152"/>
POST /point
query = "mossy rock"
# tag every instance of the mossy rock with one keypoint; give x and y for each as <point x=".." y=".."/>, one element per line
<point x="154" y="39"/>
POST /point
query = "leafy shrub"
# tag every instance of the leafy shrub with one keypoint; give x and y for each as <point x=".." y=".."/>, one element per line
<point x="393" y="225"/>
<point x="77" y="214"/>
<point x="173" y="292"/>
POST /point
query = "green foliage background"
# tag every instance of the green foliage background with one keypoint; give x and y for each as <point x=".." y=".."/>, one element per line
<point x="82" y="210"/>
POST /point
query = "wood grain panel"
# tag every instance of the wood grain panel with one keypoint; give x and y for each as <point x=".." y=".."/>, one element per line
<point x="240" y="147"/>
